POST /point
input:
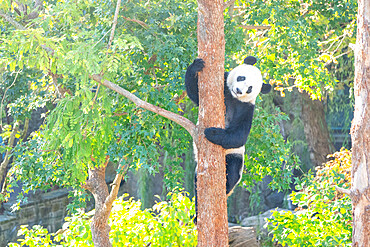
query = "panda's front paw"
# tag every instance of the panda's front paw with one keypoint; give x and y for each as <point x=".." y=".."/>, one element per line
<point x="215" y="135"/>
<point x="198" y="65"/>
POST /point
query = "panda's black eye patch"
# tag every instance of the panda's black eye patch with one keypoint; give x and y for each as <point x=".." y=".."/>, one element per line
<point x="240" y="78"/>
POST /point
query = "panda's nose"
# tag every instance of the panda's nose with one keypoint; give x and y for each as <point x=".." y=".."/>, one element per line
<point x="249" y="89"/>
<point x="238" y="91"/>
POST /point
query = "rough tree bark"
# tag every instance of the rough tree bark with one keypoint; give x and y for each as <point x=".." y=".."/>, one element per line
<point x="316" y="130"/>
<point x="99" y="223"/>
<point x="211" y="178"/>
<point x="360" y="131"/>
<point x="103" y="201"/>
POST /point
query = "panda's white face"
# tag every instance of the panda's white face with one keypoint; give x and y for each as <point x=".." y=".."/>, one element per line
<point x="245" y="83"/>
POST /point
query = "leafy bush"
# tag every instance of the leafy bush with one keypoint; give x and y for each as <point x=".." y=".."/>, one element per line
<point x="168" y="223"/>
<point x="323" y="216"/>
<point x="267" y="151"/>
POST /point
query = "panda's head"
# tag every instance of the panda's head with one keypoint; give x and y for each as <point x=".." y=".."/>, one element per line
<point x="245" y="81"/>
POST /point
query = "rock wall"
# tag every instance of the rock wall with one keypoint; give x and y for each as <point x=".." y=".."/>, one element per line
<point x="48" y="210"/>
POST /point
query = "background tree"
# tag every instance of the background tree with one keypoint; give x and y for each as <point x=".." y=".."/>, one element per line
<point x="360" y="187"/>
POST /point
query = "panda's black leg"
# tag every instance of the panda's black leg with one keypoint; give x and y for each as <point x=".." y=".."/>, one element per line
<point x="234" y="169"/>
<point x="191" y="79"/>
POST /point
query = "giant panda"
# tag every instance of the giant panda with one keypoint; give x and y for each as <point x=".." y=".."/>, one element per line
<point x="242" y="86"/>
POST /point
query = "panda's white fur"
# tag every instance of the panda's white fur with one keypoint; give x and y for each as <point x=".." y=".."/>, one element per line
<point x="253" y="78"/>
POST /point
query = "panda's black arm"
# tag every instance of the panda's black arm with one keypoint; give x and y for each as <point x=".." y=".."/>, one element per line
<point x="236" y="134"/>
<point x="191" y="80"/>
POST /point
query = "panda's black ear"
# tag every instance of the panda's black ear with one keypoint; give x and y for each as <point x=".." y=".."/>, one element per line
<point x="266" y="88"/>
<point x="250" y="60"/>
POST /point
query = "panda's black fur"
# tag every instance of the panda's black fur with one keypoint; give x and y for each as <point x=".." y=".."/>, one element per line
<point x="242" y="86"/>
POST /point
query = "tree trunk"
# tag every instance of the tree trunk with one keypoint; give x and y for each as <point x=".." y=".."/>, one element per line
<point x="103" y="201"/>
<point x="211" y="173"/>
<point x="316" y="130"/>
<point x="360" y="131"/>
<point x="99" y="224"/>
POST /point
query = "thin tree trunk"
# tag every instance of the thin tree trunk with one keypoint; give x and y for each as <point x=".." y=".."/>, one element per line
<point x="316" y="130"/>
<point x="99" y="224"/>
<point x="360" y="131"/>
<point x="211" y="173"/>
<point x="103" y="201"/>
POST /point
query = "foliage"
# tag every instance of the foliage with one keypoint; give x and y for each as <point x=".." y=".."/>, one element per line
<point x="323" y="216"/>
<point x="168" y="223"/>
<point x="37" y="236"/>
<point x="267" y="151"/>
<point x="306" y="40"/>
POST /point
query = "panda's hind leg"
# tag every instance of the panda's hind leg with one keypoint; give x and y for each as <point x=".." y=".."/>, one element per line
<point x="234" y="170"/>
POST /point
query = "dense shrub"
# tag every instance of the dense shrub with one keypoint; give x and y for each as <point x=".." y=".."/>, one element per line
<point x="323" y="216"/>
<point x="168" y="223"/>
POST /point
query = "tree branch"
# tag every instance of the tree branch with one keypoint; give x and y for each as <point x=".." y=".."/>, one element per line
<point x="229" y="3"/>
<point x="22" y="138"/>
<point x="343" y="191"/>
<point x="34" y="14"/>
<point x="114" y="24"/>
<point x="121" y="171"/>
<point x="184" y="122"/>
<point x="6" y="160"/>
<point x="9" y="19"/>
<point x="55" y="82"/>
<point x="355" y="195"/>
<point x="4" y="96"/>
<point x="25" y="129"/>
<point x="250" y="27"/>
<point x="22" y="8"/>
<point x="141" y="23"/>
